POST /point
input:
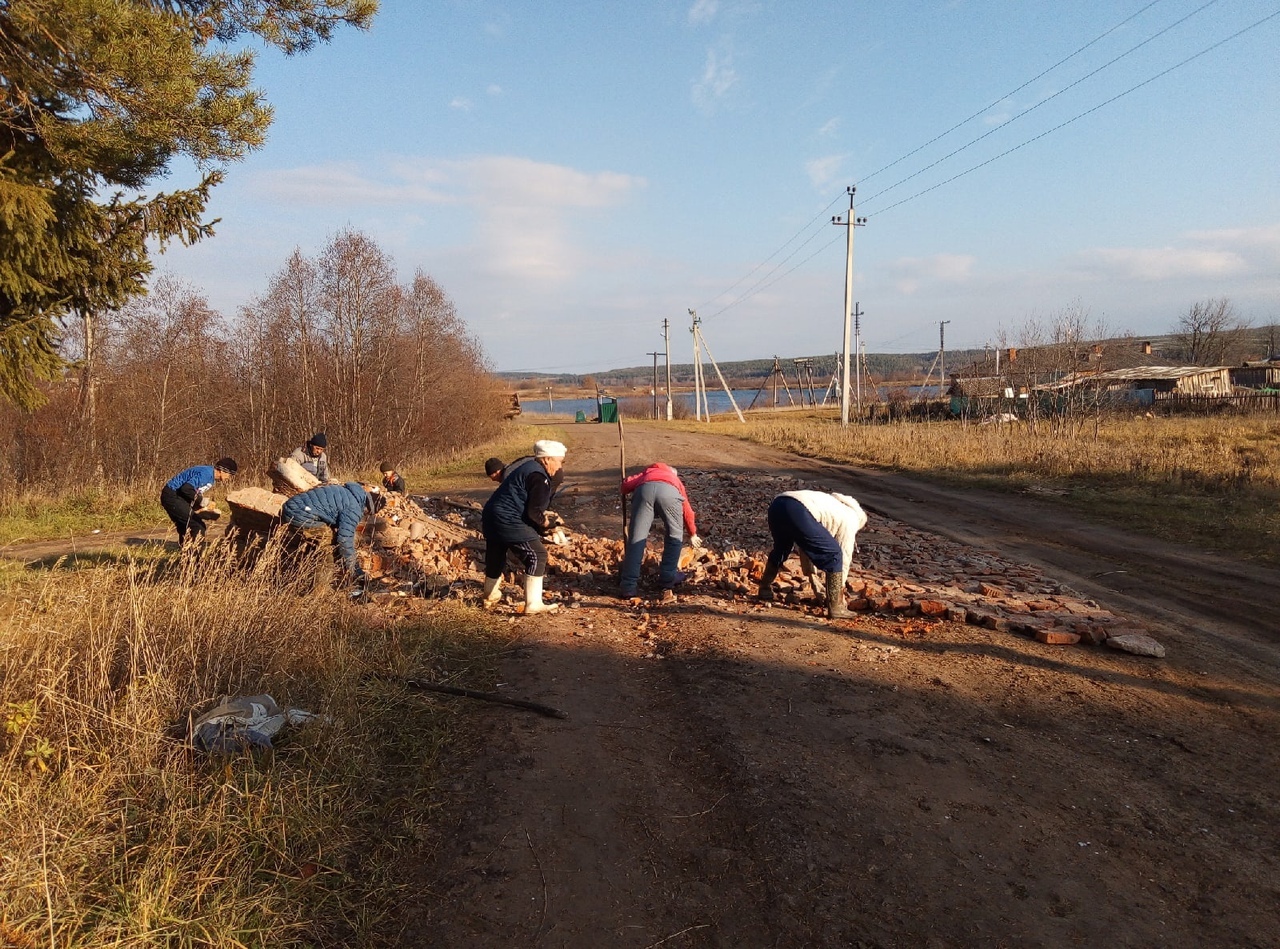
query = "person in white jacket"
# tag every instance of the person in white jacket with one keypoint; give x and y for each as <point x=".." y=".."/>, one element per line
<point x="825" y="528"/>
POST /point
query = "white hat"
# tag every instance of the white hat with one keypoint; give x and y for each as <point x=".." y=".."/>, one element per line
<point x="548" y="449"/>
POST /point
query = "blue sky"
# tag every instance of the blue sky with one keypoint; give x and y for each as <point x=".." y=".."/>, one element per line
<point x="574" y="173"/>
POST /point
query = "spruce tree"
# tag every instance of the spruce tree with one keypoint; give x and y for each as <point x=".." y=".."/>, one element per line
<point x="97" y="99"/>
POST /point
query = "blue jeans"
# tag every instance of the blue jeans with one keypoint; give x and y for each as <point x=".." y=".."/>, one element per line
<point x="792" y="525"/>
<point x="650" y="499"/>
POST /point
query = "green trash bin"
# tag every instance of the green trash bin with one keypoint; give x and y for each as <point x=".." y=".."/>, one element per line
<point x="609" y="411"/>
<point x="581" y="416"/>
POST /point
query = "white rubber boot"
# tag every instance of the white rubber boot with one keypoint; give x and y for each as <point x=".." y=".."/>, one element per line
<point x="492" y="592"/>
<point x="533" y="597"/>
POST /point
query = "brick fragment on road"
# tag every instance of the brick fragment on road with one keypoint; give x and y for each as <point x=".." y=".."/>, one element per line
<point x="1056" y="637"/>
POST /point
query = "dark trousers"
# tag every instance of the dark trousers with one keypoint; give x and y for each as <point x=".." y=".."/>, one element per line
<point x="182" y="514"/>
<point x="524" y="540"/>
<point x="792" y="525"/>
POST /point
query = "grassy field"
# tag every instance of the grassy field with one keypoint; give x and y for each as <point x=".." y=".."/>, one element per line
<point x="1213" y="482"/>
<point x="117" y="833"/>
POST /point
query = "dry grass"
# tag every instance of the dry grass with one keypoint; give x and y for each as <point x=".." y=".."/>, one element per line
<point x="1209" y="481"/>
<point x="116" y="833"/>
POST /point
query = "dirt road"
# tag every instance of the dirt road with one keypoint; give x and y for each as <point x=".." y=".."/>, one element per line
<point x="738" y="775"/>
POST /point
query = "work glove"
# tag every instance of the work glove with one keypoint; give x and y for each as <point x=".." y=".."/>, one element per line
<point x="695" y="542"/>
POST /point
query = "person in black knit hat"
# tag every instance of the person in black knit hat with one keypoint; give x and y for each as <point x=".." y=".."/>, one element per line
<point x="392" y="480"/>
<point x="184" y="495"/>
<point x="312" y="456"/>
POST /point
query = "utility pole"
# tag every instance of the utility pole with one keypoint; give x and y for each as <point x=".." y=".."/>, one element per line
<point x="857" y="352"/>
<point x="849" y="223"/>
<point x="697" y="369"/>
<point x="550" y="405"/>
<point x="654" y="390"/>
<point x="697" y="332"/>
<point x="666" y="335"/>
<point x="942" y="354"/>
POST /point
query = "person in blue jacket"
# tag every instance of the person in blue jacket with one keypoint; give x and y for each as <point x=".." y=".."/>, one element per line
<point x="339" y="507"/>
<point x="184" y="494"/>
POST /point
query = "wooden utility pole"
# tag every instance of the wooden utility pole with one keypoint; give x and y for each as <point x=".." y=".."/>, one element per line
<point x="857" y="353"/>
<point x="654" y="390"/>
<point x="666" y="336"/>
<point x="774" y="374"/>
<point x="697" y="332"/>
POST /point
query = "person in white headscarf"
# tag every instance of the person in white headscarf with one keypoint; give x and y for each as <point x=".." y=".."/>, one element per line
<point x="515" y="518"/>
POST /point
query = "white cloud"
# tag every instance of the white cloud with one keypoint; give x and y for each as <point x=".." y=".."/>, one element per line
<point x="494" y="89"/>
<point x="703" y="11"/>
<point x="522" y="212"/>
<point x="461" y="103"/>
<point x="823" y="171"/>
<point x="909" y="274"/>
<point x="1161" y="263"/>
<point x="718" y="77"/>
<point x="1266" y="238"/>
<point x="829" y="128"/>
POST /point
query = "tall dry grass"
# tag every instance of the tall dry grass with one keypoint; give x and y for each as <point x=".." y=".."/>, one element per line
<point x="116" y="833"/>
<point x="1212" y="481"/>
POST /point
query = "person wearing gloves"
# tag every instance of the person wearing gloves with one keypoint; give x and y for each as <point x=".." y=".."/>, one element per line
<point x="340" y="507"/>
<point x="515" y="518"/>
<point x="312" y="456"/>
<point x="825" y="528"/>
<point x="657" y="490"/>
<point x="184" y="494"/>
<point x="392" y="480"/>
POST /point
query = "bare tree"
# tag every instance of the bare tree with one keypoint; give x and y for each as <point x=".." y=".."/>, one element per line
<point x="1211" y="332"/>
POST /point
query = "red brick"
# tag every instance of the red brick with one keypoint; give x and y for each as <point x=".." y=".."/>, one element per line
<point x="1056" y="637"/>
<point x="932" y="607"/>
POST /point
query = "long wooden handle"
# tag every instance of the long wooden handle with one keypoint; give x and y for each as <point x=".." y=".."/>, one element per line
<point x="622" y="465"/>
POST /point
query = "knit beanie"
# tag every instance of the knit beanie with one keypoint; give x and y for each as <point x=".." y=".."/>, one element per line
<point x="319" y="440"/>
<point x="227" y="464"/>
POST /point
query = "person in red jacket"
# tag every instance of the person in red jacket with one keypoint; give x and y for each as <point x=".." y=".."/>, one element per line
<point x="658" y="491"/>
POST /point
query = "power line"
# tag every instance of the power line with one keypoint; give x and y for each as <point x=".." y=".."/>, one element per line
<point x="762" y="285"/>
<point x="821" y="214"/>
<point x="1014" y="92"/>
<point x="1044" y="101"/>
<point x="748" y="275"/>
<point x="1074" y="118"/>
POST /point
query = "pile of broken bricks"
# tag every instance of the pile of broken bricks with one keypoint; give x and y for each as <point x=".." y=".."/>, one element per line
<point x="427" y="546"/>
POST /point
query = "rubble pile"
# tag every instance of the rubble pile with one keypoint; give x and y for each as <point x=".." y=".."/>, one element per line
<point x="428" y="546"/>
<point x="897" y="569"/>
<point x="435" y="542"/>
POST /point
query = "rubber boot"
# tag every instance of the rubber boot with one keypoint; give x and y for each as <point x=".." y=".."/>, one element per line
<point x="836" y="608"/>
<point x="765" y="594"/>
<point x="533" y="597"/>
<point x="492" y="592"/>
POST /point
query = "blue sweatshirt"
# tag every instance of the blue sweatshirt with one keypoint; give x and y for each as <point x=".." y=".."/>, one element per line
<point x="200" y="477"/>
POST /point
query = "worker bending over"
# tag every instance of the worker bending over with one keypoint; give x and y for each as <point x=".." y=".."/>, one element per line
<point x="658" y="491"/>
<point x="184" y="495"/>
<point x="515" y="518"/>
<point x="339" y="507"/>
<point x="825" y="528"/>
